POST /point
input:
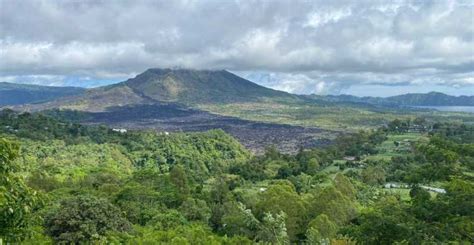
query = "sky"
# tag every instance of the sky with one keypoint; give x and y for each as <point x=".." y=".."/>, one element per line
<point x="365" y="48"/>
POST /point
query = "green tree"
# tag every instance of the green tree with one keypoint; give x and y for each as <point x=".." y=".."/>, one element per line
<point x="16" y="199"/>
<point x="421" y="203"/>
<point x="169" y="219"/>
<point x="373" y="175"/>
<point x="282" y="197"/>
<point x="140" y="203"/>
<point x="320" y="228"/>
<point x="194" y="233"/>
<point x="195" y="210"/>
<point x="460" y="196"/>
<point x="344" y="185"/>
<point x="180" y="180"/>
<point x="238" y="220"/>
<point x="273" y="229"/>
<point x="84" y="219"/>
<point x="330" y="201"/>
<point x="313" y="165"/>
<point x="456" y="210"/>
<point x="219" y="190"/>
<point x="386" y="223"/>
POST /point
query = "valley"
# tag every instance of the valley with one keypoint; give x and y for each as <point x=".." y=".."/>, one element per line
<point x="184" y="100"/>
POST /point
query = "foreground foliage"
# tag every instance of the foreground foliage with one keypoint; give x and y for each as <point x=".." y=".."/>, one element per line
<point x="102" y="186"/>
<point x="17" y="201"/>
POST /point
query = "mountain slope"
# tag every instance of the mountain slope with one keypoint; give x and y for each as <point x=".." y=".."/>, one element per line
<point x="193" y="86"/>
<point x="187" y="87"/>
<point x="16" y="94"/>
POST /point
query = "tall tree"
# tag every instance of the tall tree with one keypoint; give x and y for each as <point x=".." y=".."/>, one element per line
<point x="320" y="228"/>
<point x="282" y="197"/>
<point x="273" y="229"/>
<point x="180" y="180"/>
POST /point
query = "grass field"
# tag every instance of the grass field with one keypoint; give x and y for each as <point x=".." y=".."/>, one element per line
<point x="338" y="117"/>
<point x="331" y="117"/>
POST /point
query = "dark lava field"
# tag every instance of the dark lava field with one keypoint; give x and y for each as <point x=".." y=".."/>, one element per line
<point x="255" y="136"/>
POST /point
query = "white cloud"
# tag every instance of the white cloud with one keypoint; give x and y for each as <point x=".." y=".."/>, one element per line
<point x="319" y="18"/>
<point x="308" y="46"/>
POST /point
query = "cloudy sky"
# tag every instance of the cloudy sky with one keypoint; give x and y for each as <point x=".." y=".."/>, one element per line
<point x="325" y="47"/>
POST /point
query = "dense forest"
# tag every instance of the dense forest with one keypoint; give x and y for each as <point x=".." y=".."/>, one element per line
<point x="409" y="182"/>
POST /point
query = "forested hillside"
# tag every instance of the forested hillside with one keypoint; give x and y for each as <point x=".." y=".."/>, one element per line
<point x="409" y="182"/>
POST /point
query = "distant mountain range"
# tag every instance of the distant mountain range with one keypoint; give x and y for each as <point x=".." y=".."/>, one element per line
<point x="16" y="94"/>
<point x="412" y="99"/>
<point x="191" y="88"/>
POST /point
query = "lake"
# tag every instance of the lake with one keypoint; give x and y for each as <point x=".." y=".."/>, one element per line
<point x="449" y="108"/>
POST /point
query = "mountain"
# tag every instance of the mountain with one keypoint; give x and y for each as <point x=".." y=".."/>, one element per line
<point x="432" y="99"/>
<point x="181" y="86"/>
<point x="199" y="86"/>
<point x="170" y="99"/>
<point x="192" y="88"/>
<point x="412" y="99"/>
<point x="16" y="94"/>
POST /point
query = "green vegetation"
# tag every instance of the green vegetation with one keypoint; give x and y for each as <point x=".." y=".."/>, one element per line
<point x="17" y="200"/>
<point x="83" y="219"/>
<point x="74" y="183"/>
<point x="327" y="115"/>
